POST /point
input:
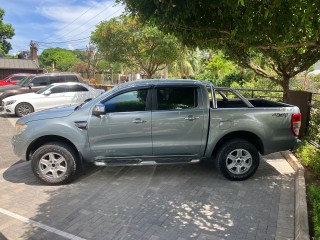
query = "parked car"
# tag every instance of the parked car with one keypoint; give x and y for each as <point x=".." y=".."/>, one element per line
<point x="157" y="122"/>
<point x="37" y="82"/>
<point x="14" y="79"/>
<point x="54" y="95"/>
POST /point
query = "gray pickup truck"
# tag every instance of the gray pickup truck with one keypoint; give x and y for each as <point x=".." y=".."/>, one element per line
<point x="157" y="122"/>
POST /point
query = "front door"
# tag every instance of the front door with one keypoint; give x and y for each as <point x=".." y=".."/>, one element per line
<point x="177" y="121"/>
<point x="125" y="129"/>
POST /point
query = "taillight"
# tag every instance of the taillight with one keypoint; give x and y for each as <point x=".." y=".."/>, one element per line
<point x="296" y="123"/>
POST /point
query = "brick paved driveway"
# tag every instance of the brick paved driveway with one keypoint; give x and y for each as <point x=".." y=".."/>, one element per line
<point x="163" y="202"/>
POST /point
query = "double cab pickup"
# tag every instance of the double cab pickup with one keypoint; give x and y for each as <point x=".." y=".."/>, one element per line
<point x="152" y="122"/>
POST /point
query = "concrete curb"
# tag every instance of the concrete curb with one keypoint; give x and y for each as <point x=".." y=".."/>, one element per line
<point x="301" y="227"/>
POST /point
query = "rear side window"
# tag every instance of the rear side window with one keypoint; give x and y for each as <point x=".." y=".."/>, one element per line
<point x="71" y="78"/>
<point x="56" y="79"/>
<point x="177" y="98"/>
<point x="40" y="81"/>
<point x="77" y="88"/>
<point x="59" y="89"/>
<point x="15" y="78"/>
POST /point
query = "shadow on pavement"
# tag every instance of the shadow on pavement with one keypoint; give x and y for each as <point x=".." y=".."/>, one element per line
<point x="163" y="202"/>
<point x="21" y="172"/>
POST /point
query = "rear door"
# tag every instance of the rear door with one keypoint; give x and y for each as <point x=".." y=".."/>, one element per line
<point x="177" y="121"/>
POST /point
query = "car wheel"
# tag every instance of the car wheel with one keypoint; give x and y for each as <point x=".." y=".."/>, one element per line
<point x="238" y="159"/>
<point x="54" y="163"/>
<point x="23" y="109"/>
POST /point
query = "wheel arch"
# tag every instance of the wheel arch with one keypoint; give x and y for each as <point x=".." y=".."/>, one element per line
<point x="245" y="135"/>
<point x="46" y="139"/>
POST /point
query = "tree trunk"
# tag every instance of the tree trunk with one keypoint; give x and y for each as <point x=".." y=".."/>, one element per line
<point x="165" y="70"/>
<point x="285" y="86"/>
<point x="111" y="72"/>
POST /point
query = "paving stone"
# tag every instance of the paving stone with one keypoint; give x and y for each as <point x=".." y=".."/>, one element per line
<point x="149" y="202"/>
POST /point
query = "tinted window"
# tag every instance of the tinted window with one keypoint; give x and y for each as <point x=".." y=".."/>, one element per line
<point x="128" y="102"/>
<point x="77" y="88"/>
<point x="71" y="78"/>
<point x="40" y="81"/>
<point x="59" y="89"/>
<point x="56" y="79"/>
<point x="17" y="78"/>
<point x="172" y="98"/>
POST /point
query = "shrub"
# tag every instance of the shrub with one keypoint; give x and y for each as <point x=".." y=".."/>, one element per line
<point x="309" y="156"/>
<point x="314" y="196"/>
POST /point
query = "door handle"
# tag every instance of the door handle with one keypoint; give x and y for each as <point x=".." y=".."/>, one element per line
<point x="139" y="120"/>
<point x="191" y="118"/>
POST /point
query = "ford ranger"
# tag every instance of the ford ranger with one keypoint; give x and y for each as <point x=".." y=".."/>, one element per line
<point x="157" y="122"/>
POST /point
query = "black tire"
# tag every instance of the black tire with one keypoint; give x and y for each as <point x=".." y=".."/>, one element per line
<point x="237" y="159"/>
<point x="23" y="109"/>
<point x="54" y="163"/>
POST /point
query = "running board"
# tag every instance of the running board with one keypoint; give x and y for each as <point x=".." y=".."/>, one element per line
<point x="138" y="162"/>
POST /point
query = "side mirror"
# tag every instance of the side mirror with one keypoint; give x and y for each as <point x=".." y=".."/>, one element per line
<point x="47" y="93"/>
<point x="99" y="109"/>
<point x="30" y="85"/>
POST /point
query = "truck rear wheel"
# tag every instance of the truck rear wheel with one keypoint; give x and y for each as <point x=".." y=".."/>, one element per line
<point x="54" y="163"/>
<point x="238" y="159"/>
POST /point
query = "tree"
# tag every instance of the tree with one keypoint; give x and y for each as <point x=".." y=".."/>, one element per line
<point x="6" y="32"/>
<point x="261" y="24"/>
<point x="278" y="65"/>
<point x="62" y="59"/>
<point x="187" y="65"/>
<point x="125" y="40"/>
<point x="276" y="39"/>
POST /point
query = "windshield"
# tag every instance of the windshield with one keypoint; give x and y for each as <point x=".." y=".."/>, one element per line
<point x="24" y="81"/>
<point x="44" y="89"/>
<point x="6" y="78"/>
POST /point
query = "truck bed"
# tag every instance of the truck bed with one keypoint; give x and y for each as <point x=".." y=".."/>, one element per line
<point x="257" y="102"/>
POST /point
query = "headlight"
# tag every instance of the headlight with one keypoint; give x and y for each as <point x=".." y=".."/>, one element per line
<point x="10" y="102"/>
<point x="1" y="93"/>
<point x="20" y="127"/>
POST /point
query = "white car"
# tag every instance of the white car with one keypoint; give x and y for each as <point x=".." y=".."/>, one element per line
<point x="54" y="95"/>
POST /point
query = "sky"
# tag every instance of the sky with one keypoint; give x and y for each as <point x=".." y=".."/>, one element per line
<point x="56" y="23"/>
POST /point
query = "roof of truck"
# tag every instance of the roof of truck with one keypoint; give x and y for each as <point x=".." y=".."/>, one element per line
<point x="161" y="82"/>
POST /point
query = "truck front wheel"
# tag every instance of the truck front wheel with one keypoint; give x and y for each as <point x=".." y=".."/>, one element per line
<point x="238" y="159"/>
<point x="54" y="163"/>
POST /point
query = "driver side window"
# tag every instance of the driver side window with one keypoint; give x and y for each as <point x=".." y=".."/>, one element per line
<point x="128" y="102"/>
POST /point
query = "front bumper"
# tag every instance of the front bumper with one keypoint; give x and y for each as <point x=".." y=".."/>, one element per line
<point x="19" y="147"/>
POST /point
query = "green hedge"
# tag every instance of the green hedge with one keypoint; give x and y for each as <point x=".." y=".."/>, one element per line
<point x="309" y="156"/>
<point x="314" y="195"/>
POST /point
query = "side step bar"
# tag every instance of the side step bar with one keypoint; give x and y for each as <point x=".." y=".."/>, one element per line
<point x="140" y="163"/>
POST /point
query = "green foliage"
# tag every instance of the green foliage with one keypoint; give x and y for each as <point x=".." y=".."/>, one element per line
<point x="187" y="65"/>
<point x="127" y="41"/>
<point x="276" y="39"/>
<point x="251" y="23"/>
<point x="309" y="156"/>
<point x="218" y="69"/>
<point x="314" y="195"/>
<point x="6" y="32"/>
<point x="63" y="59"/>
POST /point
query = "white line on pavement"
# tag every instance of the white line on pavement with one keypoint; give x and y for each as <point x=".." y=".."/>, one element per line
<point x="40" y="225"/>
